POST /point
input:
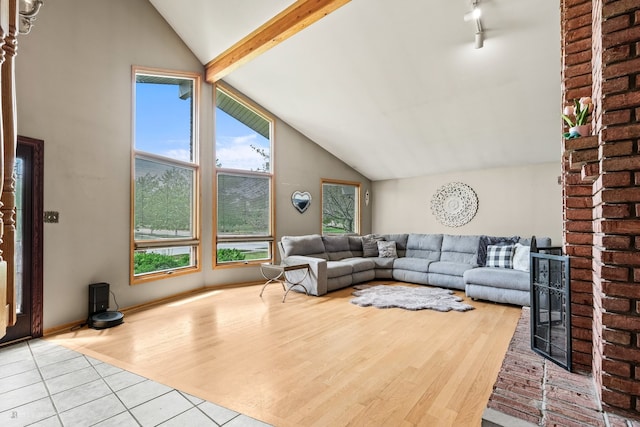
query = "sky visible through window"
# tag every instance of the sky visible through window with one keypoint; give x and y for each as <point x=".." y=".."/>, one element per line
<point x="233" y="144"/>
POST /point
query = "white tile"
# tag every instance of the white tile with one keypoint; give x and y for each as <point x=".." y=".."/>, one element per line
<point x="123" y="379"/>
<point x="193" y="417"/>
<point x="218" y="413"/>
<point x="41" y="409"/>
<point x="16" y="368"/>
<point x="15" y="353"/>
<point x="20" y="380"/>
<point x="244" y="421"/>
<point x="64" y="367"/>
<point x="44" y="359"/>
<point x="142" y="392"/>
<point x="22" y="396"/>
<point x="80" y="395"/>
<point x="48" y="422"/>
<point x="93" y="361"/>
<point x="161" y="409"/>
<point x="71" y="380"/>
<point x="39" y="345"/>
<point x="124" y="419"/>
<point x="193" y="399"/>
<point x="92" y="412"/>
<point x="105" y="370"/>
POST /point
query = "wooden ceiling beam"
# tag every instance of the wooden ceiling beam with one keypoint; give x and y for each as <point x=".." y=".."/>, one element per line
<point x="290" y="21"/>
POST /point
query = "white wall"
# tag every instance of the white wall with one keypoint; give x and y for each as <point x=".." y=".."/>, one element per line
<point x="522" y="200"/>
<point x="73" y="78"/>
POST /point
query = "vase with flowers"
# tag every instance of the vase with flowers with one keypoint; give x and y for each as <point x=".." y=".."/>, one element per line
<point x="577" y="117"/>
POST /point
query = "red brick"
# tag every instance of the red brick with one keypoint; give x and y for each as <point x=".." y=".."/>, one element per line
<point x="612" y="304"/>
<point x="583" y="322"/>
<point x="620" y="226"/>
<point x="621" y="322"/>
<point x="616" y="179"/>
<point x="615" y="24"/>
<point x="616" y="85"/>
<point x="578" y="214"/>
<point x="616" y="117"/>
<point x="579" y="190"/>
<point x="582" y="312"/>
<point x="621" y="100"/>
<point x="636" y="275"/>
<point x="615" y="399"/>
<point x="621" y="164"/>
<point x="578" y="35"/>
<point x="614" y="242"/>
<point x="582" y="346"/>
<point x="625" y="290"/>
<point x="616" y="149"/>
<point x="579" y="238"/>
<point x="581" y="263"/>
<point x="579" y="202"/>
<point x="576" y="22"/>
<point x="614" y="211"/>
<point x="590" y="171"/>
<point x="621" y="384"/>
<point x="616" y="337"/>
<point x="614" y="367"/>
<point x="580" y="69"/>
<point x="621" y="353"/>
<point x="628" y="35"/>
<point x="577" y="47"/>
<point x="579" y="82"/>
<point x="582" y="143"/>
<point x="616" y="195"/>
<point x="582" y="298"/>
<point x="613" y="8"/>
<point x="620" y="274"/>
<point x="580" y="285"/>
<point x="580" y="226"/>
<point x="578" y="58"/>
<point x="621" y="258"/>
<point x="614" y="133"/>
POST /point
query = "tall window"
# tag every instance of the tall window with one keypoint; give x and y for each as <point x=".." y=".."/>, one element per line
<point x="244" y="208"/>
<point x="165" y="185"/>
<point x="340" y="207"/>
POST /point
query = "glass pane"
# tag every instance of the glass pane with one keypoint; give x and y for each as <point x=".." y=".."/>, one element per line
<point x="164" y="197"/>
<point x="243" y="205"/>
<point x="243" y="251"/>
<point x="19" y="237"/>
<point x="242" y="136"/>
<point x="164" y="116"/>
<point x="163" y="259"/>
<point x="340" y="208"/>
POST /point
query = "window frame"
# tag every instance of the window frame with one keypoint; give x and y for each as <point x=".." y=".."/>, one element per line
<point x="270" y="236"/>
<point x="194" y="242"/>
<point x="357" y="204"/>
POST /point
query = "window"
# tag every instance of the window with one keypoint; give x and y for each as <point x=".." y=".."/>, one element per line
<point x="340" y="207"/>
<point x="244" y="181"/>
<point x="165" y="184"/>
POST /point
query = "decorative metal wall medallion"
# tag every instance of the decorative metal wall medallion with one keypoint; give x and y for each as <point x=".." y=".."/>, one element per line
<point x="301" y="200"/>
<point x="454" y="204"/>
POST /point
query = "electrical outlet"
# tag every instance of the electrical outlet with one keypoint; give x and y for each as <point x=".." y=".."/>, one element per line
<point x="51" y="216"/>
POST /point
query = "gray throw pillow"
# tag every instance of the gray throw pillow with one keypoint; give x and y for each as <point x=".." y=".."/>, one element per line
<point x="370" y="245"/>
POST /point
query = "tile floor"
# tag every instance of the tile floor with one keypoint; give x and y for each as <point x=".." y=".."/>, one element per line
<point x="44" y="384"/>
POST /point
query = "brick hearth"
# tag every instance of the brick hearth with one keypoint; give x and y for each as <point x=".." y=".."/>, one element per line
<point x="535" y="390"/>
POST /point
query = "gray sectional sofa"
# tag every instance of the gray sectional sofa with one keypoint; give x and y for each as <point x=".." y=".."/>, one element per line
<point x="443" y="260"/>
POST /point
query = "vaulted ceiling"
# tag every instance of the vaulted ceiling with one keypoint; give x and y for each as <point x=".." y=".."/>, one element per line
<point x="395" y="88"/>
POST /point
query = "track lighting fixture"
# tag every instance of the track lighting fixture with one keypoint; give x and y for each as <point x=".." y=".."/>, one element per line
<point x="474" y="15"/>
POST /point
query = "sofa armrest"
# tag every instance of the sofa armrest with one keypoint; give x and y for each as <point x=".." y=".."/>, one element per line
<point x="316" y="279"/>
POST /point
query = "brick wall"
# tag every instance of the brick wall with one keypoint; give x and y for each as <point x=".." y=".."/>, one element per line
<point x="612" y="177"/>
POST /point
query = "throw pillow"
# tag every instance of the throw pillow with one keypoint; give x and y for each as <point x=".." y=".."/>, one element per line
<point x="485" y="241"/>
<point x="370" y="245"/>
<point x="387" y="249"/>
<point x="521" y="257"/>
<point x="500" y="256"/>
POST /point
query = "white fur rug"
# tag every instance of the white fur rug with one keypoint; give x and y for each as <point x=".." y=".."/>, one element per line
<point x="409" y="298"/>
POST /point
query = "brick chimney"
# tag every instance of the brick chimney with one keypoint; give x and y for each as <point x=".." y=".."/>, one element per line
<point x="601" y="195"/>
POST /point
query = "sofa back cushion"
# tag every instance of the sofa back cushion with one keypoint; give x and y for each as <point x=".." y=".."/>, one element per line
<point x="401" y="242"/>
<point x="355" y="245"/>
<point x="461" y="249"/>
<point x="337" y="247"/>
<point x="541" y="242"/>
<point x="309" y="245"/>
<point x="425" y="246"/>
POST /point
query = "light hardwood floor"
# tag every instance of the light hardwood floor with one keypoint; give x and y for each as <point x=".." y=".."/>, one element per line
<point x="314" y="361"/>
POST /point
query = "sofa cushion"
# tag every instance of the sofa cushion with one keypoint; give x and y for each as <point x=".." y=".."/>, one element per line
<point x="412" y="264"/>
<point x="355" y="245"/>
<point x="492" y="240"/>
<point x="425" y="246"/>
<point x="449" y="268"/>
<point x="337" y="247"/>
<point x="460" y="249"/>
<point x="387" y="249"/>
<point x="541" y="242"/>
<point x="308" y="245"/>
<point x="383" y="262"/>
<point x="500" y="256"/>
<point x="498" y="278"/>
<point x="401" y="242"/>
<point x="521" y="257"/>
<point x="338" y="268"/>
<point x="360" y="264"/>
<point x="370" y="245"/>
